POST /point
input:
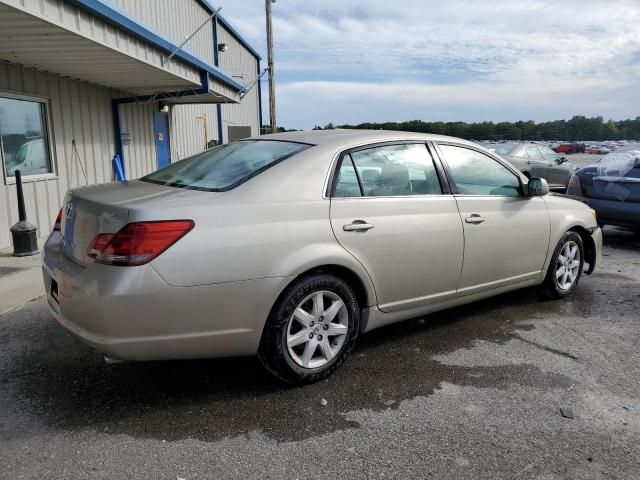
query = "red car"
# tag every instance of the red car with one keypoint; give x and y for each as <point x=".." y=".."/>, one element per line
<point x="564" y="148"/>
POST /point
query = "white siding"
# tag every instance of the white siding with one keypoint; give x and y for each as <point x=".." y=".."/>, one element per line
<point x="81" y="112"/>
<point x="58" y="37"/>
<point x="175" y="20"/>
<point x="78" y="111"/>
<point x="239" y="63"/>
<point x="187" y="131"/>
<point x="136" y="119"/>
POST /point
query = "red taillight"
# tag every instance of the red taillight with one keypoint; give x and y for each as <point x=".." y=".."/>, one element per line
<point x="98" y="244"/>
<point x="574" y="187"/>
<point x="57" y="224"/>
<point x="137" y="243"/>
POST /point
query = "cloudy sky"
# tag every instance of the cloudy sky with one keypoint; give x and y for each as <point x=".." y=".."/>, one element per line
<point x="347" y="61"/>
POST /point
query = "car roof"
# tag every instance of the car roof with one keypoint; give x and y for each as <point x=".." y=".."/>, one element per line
<point x="345" y="138"/>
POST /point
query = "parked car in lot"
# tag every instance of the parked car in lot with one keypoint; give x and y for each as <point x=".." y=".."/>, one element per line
<point x="290" y="246"/>
<point x="537" y="161"/>
<point x="612" y="187"/>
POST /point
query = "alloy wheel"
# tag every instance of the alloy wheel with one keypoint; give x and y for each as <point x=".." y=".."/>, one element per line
<point x="568" y="265"/>
<point x="317" y="329"/>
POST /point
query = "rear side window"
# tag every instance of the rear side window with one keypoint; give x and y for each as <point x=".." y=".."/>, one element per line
<point x="388" y="171"/>
<point x="533" y="152"/>
<point x="475" y="173"/>
<point x="347" y="182"/>
<point x="225" y="167"/>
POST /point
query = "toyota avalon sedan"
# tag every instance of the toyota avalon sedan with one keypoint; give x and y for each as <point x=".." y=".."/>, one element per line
<point x="290" y="246"/>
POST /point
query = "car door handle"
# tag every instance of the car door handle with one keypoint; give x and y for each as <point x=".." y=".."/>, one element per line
<point x="475" y="218"/>
<point x="357" y="226"/>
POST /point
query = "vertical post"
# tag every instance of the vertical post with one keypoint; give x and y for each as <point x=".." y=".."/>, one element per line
<point x="22" y="212"/>
<point x="272" y="86"/>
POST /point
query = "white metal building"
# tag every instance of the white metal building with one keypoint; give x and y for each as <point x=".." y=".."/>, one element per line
<point x="83" y="80"/>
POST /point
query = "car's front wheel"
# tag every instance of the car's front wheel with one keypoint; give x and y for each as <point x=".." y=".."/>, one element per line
<point x="311" y="329"/>
<point x="565" y="268"/>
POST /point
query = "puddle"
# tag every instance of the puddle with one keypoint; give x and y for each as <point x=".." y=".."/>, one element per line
<point x="49" y="380"/>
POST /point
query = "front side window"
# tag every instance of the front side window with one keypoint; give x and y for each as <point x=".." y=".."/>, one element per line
<point x="225" y="167"/>
<point x="25" y="142"/>
<point x="390" y="170"/>
<point x="475" y="173"/>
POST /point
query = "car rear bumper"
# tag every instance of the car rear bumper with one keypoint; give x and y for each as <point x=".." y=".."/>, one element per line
<point x="131" y="313"/>
<point x="614" y="212"/>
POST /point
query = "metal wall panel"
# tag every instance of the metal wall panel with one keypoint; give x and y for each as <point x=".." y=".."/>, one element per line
<point x="61" y="22"/>
<point x="77" y="111"/>
<point x="136" y="119"/>
<point x="187" y="130"/>
<point x="175" y="20"/>
<point x="238" y="62"/>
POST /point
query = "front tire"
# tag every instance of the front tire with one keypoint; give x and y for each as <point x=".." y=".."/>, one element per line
<point x="311" y="329"/>
<point x="565" y="268"/>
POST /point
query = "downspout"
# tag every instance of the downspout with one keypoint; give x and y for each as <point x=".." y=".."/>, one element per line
<point x="215" y="62"/>
<point x="259" y="101"/>
<point x="117" y="129"/>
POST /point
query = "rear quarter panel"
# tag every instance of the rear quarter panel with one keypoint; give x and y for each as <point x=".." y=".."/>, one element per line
<point x="275" y="225"/>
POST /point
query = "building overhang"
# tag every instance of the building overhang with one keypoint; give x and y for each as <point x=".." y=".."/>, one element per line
<point x="106" y="48"/>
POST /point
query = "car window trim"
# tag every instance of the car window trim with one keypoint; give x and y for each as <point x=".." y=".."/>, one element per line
<point x="331" y="185"/>
<point x="452" y="182"/>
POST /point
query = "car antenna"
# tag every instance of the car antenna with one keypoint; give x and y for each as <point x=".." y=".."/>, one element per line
<point x="75" y="150"/>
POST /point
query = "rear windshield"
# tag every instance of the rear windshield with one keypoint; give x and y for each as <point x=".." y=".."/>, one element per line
<point x="504" y="149"/>
<point x="225" y="167"/>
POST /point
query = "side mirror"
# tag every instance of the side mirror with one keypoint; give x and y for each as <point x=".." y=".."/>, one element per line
<point x="562" y="160"/>
<point x="537" y="187"/>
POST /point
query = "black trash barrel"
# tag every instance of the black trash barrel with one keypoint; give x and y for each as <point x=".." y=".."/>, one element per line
<point x="24" y="233"/>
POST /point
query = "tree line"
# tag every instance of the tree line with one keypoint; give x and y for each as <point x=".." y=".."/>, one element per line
<point x="579" y="128"/>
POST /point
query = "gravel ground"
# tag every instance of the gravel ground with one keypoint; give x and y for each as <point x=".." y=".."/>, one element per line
<point x="472" y="392"/>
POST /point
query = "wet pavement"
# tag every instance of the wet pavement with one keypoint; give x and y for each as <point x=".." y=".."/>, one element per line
<point x="471" y="392"/>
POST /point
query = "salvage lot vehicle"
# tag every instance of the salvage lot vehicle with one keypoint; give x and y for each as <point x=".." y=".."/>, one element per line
<point x="612" y="187"/>
<point x="537" y="161"/>
<point x="290" y="245"/>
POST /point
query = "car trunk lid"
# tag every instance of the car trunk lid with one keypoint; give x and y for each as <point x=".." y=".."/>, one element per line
<point x="623" y="189"/>
<point x="106" y="208"/>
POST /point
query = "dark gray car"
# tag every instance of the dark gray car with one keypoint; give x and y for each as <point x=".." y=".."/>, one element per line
<point x="612" y="188"/>
<point x="537" y="161"/>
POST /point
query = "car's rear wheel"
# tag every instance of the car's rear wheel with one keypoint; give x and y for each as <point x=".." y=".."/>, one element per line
<point x="311" y="329"/>
<point x="565" y="268"/>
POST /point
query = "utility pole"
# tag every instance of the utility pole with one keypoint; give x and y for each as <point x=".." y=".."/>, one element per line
<point x="272" y="85"/>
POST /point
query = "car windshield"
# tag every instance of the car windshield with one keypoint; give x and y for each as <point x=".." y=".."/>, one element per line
<point x="225" y="167"/>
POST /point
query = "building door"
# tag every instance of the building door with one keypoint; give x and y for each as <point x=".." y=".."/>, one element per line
<point x="161" y="132"/>
<point x="238" y="132"/>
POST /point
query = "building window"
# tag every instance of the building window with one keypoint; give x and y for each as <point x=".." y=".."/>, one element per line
<point x="24" y="137"/>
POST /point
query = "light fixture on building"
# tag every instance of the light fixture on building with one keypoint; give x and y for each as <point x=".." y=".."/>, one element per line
<point x="223" y="47"/>
<point x="164" y="108"/>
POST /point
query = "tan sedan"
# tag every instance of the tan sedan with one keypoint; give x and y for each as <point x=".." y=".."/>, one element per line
<point x="290" y="246"/>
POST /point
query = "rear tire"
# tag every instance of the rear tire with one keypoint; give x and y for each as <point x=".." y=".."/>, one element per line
<point x="311" y="330"/>
<point x="565" y="268"/>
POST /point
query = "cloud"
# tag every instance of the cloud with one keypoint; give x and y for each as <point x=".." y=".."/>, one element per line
<point x="347" y="61"/>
